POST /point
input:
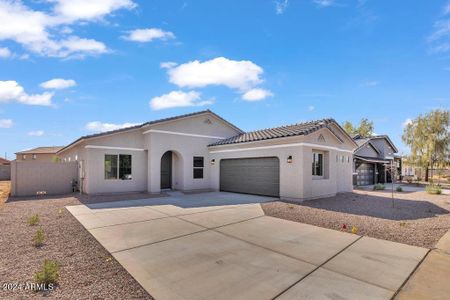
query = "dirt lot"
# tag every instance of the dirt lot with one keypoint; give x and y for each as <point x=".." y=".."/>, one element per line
<point x="87" y="270"/>
<point x="417" y="218"/>
<point x="4" y="190"/>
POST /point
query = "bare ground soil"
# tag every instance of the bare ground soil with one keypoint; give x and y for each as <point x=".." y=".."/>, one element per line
<point x="87" y="269"/>
<point x="417" y="218"/>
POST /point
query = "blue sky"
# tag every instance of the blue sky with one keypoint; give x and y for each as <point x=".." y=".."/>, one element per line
<point x="70" y="68"/>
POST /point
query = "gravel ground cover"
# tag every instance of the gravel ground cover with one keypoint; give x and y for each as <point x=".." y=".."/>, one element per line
<point x="417" y="218"/>
<point x="87" y="270"/>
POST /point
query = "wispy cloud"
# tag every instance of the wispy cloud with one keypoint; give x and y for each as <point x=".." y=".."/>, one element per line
<point x="439" y="39"/>
<point x="406" y="122"/>
<point x="58" y="84"/>
<point x="36" y="133"/>
<point x="11" y="91"/>
<point x="98" y="126"/>
<point x="6" y="123"/>
<point x="280" y="6"/>
<point x="311" y="108"/>
<point x="148" y="35"/>
<point x="324" y="3"/>
<point x="369" y="83"/>
<point x="178" y="99"/>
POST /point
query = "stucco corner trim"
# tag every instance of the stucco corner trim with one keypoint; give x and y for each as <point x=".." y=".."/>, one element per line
<point x="112" y="148"/>
<point x="184" y="134"/>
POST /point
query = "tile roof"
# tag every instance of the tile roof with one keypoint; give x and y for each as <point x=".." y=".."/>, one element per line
<point x="4" y="161"/>
<point x="42" y="150"/>
<point x="149" y="123"/>
<point x="276" y="132"/>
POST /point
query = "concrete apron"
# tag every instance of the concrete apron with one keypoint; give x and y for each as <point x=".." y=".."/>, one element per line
<point x="431" y="279"/>
<point x="235" y="252"/>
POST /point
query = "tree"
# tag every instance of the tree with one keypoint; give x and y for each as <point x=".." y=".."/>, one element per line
<point x="428" y="138"/>
<point x="364" y="129"/>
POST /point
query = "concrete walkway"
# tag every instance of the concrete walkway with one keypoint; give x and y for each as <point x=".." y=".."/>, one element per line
<point x="431" y="279"/>
<point x="222" y="246"/>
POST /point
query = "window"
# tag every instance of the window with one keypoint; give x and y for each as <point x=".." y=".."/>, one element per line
<point x="33" y="156"/>
<point x="317" y="164"/>
<point x="24" y="156"/>
<point x="118" y="166"/>
<point x="110" y="166"/>
<point x="198" y="167"/>
<point x="125" y="166"/>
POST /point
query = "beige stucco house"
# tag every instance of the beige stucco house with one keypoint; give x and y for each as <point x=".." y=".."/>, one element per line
<point x="202" y="151"/>
<point x="41" y="154"/>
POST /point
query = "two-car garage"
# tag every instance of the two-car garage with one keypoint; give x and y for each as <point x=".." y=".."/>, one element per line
<point x="259" y="176"/>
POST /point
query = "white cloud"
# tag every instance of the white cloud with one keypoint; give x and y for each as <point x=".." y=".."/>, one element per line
<point x="98" y="126"/>
<point x="324" y="3"/>
<point x="6" y="123"/>
<point x="11" y="91"/>
<point x="40" y="31"/>
<point x="406" y="122"/>
<point x="148" y="34"/>
<point x="167" y="64"/>
<point x="58" y="84"/>
<point x="369" y="83"/>
<point x="178" y="99"/>
<point x="242" y="75"/>
<point x="311" y="108"/>
<point x="36" y="133"/>
<point x="280" y="6"/>
<point x="74" y="10"/>
<point x="447" y="9"/>
<point x="5" y="53"/>
<point x="256" y="94"/>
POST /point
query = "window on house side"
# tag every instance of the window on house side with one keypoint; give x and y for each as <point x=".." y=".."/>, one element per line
<point x="110" y="166"/>
<point x="317" y="164"/>
<point x="125" y="166"/>
<point x="118" y="166"/>
<point x="198" y="167"/>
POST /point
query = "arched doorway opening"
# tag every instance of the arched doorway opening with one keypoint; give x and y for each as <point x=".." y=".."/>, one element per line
<point x="171" y="171"/>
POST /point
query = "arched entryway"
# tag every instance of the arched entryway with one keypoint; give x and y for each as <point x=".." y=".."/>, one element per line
<point x="171" y="171"/>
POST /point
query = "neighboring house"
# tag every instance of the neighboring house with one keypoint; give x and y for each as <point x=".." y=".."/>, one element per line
<point x="202" y="151"/>
<point x="38" y="154"/>
<point x="372" y="160"/>
<point x="4" y="162"/>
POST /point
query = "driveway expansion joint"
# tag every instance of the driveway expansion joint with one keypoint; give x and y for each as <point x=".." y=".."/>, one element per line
<point x="318" y="267"/>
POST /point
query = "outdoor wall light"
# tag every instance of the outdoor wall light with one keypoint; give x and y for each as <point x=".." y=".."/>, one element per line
<point x="289" y="159"/>
<point x="213" y="161"/>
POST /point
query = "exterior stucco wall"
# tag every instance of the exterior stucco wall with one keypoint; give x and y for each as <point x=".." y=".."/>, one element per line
<point x="27" y="178"/>
<point x="5" y="172"/>
<point x="184" y="149"/>
<point x="44" y="157"/>
<point x="296" y="180"/>
<point x="95" y="172"/>
<point x="204" y="125"/>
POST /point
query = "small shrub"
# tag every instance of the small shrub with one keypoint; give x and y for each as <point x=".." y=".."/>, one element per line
<point x="38" y="239"/>
<point x="433" y="189"/>
<point x="378" y="186"/>
<point x="48" y="274"/>
<point x="399" y="189"/>
<point x="33" y="220"/>
<point x="409" y="179"/>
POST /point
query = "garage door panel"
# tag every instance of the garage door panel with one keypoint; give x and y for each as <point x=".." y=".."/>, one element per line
<point x="365" y="174"/>
<point x="251" y="176"/>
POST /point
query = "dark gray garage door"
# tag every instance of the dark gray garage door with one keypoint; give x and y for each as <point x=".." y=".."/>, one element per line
<point x="259" y="176"/>
<point x="365" y="174"/>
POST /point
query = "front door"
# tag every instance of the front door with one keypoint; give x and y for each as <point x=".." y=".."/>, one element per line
<point x="166" y="170"/>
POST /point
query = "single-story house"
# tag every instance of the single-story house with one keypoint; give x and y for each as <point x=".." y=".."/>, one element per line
<point x="42" y="154"/>
<point x="202" y="151"/>
<point x="4" y="162"/>
<point x="373" y="159"/>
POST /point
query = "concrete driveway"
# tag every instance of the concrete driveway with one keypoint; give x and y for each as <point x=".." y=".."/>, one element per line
<point x="221" y="246"/>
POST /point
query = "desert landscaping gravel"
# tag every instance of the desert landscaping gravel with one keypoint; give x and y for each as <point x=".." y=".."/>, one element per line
<point x="87" y="271"/>
<point x="417" y="218"/>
